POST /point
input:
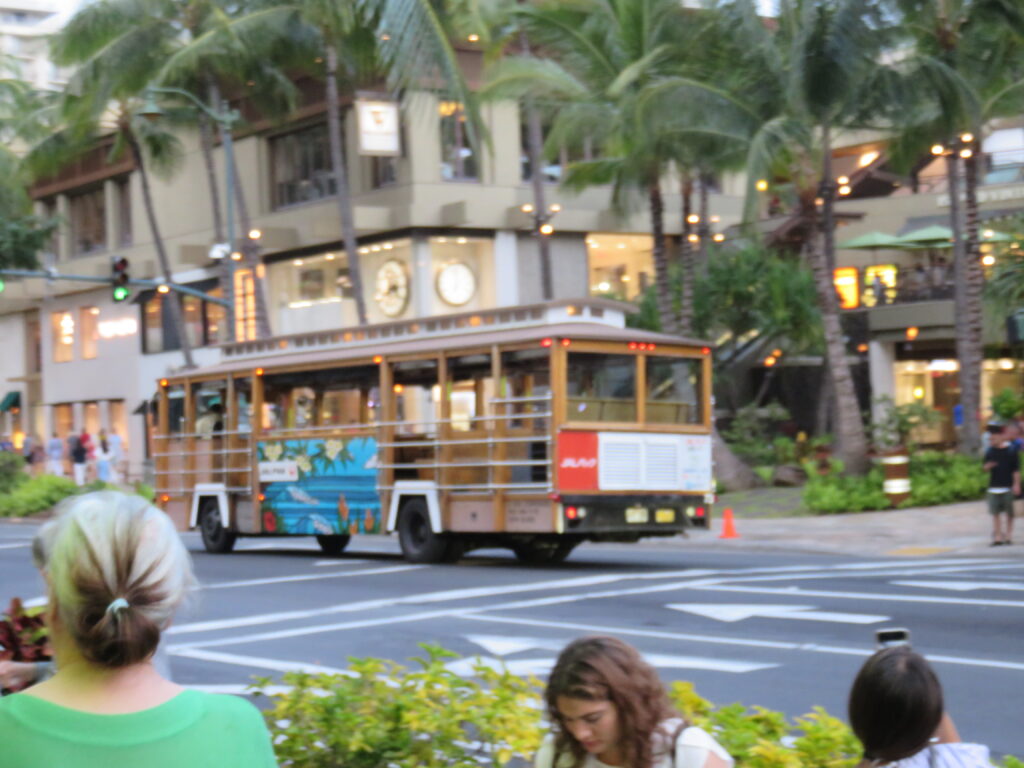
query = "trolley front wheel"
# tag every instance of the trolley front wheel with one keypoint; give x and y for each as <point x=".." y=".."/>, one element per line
<point x="216" y="538"/>
<point x="420" y="544"/>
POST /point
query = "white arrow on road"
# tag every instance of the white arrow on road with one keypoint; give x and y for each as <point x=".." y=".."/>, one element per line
<point x="738" y="612"/>
<point x="963" y="586"/>
<point x="500" y="645"/>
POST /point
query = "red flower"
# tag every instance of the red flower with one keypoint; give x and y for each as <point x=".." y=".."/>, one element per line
<point x="269" y="521"/>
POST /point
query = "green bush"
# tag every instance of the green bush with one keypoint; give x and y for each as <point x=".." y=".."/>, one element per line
<point x="383" y="715"/>
<point x="36" y="494"/>
<point x="12" y="471"/>
<point x="935" y="478"/>
<point x="898" y="423"/>
<point x="1007" y="404"/>
<point x="750" y="435"/>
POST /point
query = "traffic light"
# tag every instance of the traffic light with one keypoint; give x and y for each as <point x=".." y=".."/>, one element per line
<point x="2" y="285"/>
<point x="119" y="278"/>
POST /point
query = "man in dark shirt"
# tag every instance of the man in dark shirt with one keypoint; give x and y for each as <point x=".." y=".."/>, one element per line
<point x="1003" y="465"/>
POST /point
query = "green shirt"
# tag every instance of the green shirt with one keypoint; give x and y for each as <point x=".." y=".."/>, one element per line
<point x="192" y="730"/>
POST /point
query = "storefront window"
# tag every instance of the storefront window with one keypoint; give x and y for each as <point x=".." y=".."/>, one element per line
<point x="301" y="166"/>
<point x="63" y="419"/>
<point x="91" y="416"/>
<point x="203" y="320"/>
<point x="847" y="283"/>
<point x="458" y="160"/>
<point x="118" y="416"/>
<point x="87" y="212"/>
<point x="879" y="285"/>
<point x="63" y="330"/>
<point x="674" y="390"/>
<point x="88" y="321"/>
<point x="601" y="387"/>
<point x="621" y="266"/>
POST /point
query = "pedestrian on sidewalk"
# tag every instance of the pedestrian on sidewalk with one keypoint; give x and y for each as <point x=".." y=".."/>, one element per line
<point x="609" y="707"/>
<point x="79" y="461"/>
<point x="55" y="456"/>
<point x="107" y="705"/>
<point x="896" y="709"/>
<point x="1003" y="465"/>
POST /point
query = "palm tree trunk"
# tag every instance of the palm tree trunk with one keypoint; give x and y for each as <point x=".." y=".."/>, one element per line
<point x="850" y="435"/>
<point x="687" y="265"/>
<point x="227" y="272"/>
<point x="535" y="144"/>
<point x="968" y="348"/>
<point x="704" y="225"/>
<point x="172" y="300"/>
<point x="662" y="288"/>
<point x="343" y="194"/>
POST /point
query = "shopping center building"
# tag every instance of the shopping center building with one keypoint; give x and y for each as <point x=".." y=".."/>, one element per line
<point x="441" y="229"/>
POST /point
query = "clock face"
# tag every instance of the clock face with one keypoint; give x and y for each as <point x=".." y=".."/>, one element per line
<point x="392" y="286"/>
<point x="456" y="283"/>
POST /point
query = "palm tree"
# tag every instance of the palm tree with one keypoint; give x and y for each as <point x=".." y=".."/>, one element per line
<point x="394" y="44"/>
<point x="140" y="44"/>
<point x="602" y="53"/>
<point x="964" y="65"/>
<point x="794" y="84"/>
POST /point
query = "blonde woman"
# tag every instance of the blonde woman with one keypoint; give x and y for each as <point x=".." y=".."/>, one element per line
<point x="116" y="572"/>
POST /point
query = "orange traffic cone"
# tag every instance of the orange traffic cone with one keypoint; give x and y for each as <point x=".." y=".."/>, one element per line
<point x="728" y="526"/>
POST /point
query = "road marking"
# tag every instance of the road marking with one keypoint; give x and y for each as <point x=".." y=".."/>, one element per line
<point x="540" y="667"/>
<point x="263" y="547"/>
<point x="917" y="551"/>
<point x="963" y="586"/>
<point x="346" y="561"/>
<point x="798" y="592"/>
<point x="718" y="640"/>
<point x="500" y="645"/>
<point x="16" y="546"/>
<point x="258" y="662"/>
<point x="732" y="612"/>
<point x="309" y="577"/>
<point x="698" y="578"/>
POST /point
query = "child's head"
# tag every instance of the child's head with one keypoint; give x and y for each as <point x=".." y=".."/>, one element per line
<point x="895" y="704"/>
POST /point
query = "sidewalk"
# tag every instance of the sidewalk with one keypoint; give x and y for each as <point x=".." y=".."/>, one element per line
<point x="961" y="529"/>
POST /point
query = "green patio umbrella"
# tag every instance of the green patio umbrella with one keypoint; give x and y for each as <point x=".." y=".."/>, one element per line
<point x="934" y="236"/>
<point x="871" y="241"/>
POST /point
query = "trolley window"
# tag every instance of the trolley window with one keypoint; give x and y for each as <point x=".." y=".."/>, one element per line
<point x="601" y="387"/>
<point x="674" y="390"/>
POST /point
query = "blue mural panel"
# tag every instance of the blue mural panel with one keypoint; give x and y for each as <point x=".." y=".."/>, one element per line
<point x="319" y="486"/>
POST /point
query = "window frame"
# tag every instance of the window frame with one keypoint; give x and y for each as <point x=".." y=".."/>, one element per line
<point x="275" y="146"/>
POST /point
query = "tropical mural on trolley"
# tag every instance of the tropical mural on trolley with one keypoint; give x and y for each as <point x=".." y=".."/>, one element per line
<point x="320" y="487"/>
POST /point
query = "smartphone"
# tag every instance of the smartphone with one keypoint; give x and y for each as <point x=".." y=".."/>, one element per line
<point x="890" y="636"/>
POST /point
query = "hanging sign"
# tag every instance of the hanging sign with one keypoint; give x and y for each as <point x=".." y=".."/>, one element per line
<point x="379" y="123"/>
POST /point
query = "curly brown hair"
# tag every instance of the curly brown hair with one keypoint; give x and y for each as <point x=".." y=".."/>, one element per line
<point x="607" y="669"/>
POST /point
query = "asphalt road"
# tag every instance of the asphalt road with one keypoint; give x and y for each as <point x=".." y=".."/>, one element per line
<point x="785" y="631"/>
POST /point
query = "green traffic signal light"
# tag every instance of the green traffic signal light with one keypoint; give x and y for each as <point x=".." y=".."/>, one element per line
<point x="121" y="292"/>
<point x="2" y="285"/>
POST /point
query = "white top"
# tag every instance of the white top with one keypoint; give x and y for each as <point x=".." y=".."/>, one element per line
<point x="955" y="754"/>
<point x="691" y="750"/>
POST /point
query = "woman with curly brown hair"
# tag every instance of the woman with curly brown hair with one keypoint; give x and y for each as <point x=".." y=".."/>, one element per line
<point x="609" y="708"/>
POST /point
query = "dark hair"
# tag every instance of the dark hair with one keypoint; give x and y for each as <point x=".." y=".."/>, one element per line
<point x="607" y="669"/>
<point x="994" y="429"/>
<point x="895" y="704"/>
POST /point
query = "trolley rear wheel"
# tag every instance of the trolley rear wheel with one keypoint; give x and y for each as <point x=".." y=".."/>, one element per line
<point x="216" y="538"/>
<point x="420" y="544"/>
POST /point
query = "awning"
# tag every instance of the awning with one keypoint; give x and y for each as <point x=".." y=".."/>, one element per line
<point x="11" y="400"/>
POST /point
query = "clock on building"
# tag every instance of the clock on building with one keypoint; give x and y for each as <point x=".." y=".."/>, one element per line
<point x="456" y="283"/>
<point x="392" y="292"/>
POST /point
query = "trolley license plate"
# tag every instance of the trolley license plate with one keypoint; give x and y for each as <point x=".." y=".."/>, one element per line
<point x="665" y="516"/>
<point x="637" y="515"/>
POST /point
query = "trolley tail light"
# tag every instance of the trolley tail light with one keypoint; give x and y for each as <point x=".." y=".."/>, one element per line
<point x="165" y="498"/>
<point x="572" y="513"/>
<point x="259" y="371"/>
<point x="566" y="342"/>
<point x="546" y="342"/>
<point x="700" y="512"/>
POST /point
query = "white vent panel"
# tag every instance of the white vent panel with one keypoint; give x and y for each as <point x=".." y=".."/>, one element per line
<point x="620" y="462"/>
<point x="661" y="465"/>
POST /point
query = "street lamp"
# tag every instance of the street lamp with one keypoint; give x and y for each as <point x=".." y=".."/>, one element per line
<point x="541" y="219"/>
<point x="226" y="118"/>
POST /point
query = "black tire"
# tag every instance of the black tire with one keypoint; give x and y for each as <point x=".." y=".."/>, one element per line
<point x="333" y="545"/>
<point x="216" y="538"/>
<point x="419" y="542"/>
<point x="544" y="553"/>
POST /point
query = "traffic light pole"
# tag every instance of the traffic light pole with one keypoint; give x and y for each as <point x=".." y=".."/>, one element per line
<point x="154" y="284"/>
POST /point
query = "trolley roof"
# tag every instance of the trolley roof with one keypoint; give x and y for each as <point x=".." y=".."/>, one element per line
<point x="590" y="319"/>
